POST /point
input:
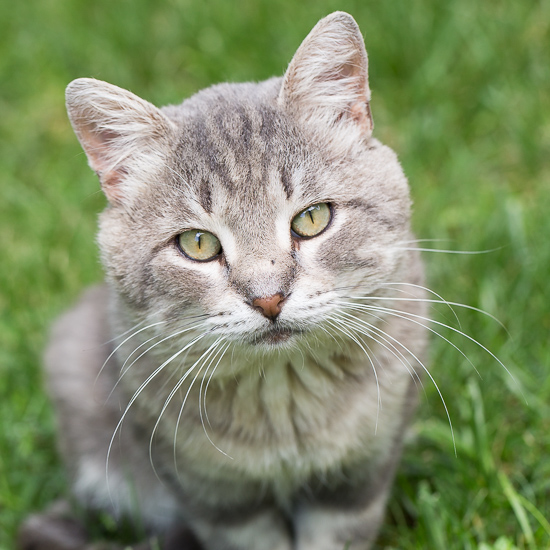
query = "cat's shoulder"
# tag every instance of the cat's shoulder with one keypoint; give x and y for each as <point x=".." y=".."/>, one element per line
<point x="81" y="334"/>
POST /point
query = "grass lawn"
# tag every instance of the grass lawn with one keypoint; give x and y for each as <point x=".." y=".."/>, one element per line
<point x="461" y="90"/>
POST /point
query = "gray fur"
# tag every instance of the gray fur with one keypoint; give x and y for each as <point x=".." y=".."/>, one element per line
<point x="296" y="440"/>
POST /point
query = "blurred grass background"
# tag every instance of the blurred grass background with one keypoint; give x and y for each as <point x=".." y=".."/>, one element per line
<point x="461" y="90"/>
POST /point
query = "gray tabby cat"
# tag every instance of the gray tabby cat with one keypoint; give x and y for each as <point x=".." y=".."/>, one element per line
<point x="249" y="370"/>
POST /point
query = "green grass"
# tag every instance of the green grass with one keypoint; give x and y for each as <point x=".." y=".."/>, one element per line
<point x="460" y="90"/>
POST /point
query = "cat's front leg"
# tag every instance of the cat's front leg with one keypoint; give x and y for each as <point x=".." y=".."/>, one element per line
<point x="59" y="528"/>
<point x="263" y="530"/>
<point x="346" y="517"/>
<point x="328" y="528"/>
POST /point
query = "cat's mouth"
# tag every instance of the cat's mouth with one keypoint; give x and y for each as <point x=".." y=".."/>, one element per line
<point x="274" y="336"/>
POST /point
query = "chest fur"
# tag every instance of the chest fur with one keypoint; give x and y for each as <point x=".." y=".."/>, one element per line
<point x="282" y="421"/>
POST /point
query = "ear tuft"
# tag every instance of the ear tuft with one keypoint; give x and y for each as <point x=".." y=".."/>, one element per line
<point x="125" y="138"/>
<point x="327" y="80"/>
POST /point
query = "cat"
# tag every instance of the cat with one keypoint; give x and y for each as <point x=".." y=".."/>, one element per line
<point x="245" y="377"/>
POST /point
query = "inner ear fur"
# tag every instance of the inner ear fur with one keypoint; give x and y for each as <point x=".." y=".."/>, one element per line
<point x="327" y="79"/>
<point x="122" y="135"/>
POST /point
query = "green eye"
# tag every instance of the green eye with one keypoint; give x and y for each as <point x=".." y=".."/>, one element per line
<point x="199" y="245"/>
<point x="311" y="221"/>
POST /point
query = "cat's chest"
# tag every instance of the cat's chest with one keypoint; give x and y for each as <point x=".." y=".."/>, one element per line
<point x="283" y="422"/>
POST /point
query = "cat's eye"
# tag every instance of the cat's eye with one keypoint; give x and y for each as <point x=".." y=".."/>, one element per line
<point x="312" y="220"/>
<point x="199" y="245"/>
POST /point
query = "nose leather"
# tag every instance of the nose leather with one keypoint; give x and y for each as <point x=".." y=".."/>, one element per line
<point x="270" y="307"/>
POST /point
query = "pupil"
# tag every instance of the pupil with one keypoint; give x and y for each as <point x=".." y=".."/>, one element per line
<point x="311" y="215"/>
<point x="198" y="239"/>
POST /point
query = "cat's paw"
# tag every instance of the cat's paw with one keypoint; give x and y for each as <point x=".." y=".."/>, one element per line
<point x="181" y="539"/>
<point x="55" y="529"/>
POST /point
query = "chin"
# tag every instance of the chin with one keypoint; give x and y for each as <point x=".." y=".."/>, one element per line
<point x="275" y="338"/>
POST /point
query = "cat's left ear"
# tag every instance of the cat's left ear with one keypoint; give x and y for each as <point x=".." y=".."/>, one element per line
<point x="126" y="138"/>
<point x="327" y="80"/>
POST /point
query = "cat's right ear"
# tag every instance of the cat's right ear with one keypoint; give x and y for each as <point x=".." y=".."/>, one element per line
<point x="126" y="139"/>
<point x="326" y="83"/>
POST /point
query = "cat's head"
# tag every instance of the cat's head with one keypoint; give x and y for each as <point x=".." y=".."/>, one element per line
<point x="254" y="208"/>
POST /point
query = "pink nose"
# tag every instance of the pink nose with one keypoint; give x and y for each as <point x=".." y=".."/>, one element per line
<point x="270" y="306"/>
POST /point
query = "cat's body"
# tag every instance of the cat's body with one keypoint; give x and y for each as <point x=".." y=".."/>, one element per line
<point x="259" y="397"/>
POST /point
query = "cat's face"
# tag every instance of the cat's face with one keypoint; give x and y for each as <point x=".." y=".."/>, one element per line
<point x="207" y="199"/>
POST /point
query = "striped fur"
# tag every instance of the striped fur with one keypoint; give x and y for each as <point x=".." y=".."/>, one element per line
<point x="255" y="433"/>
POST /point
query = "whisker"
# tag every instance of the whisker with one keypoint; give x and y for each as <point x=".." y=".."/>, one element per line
<point x="115" y="338"/>
<point x="338" y="343"/>
<point x="123" y="342"/>
<point x="443" y="301"/>
<point x="468" y="252"/>
<point x="425" y="369"/>
<point x="412" y="241"/>
<point x="433" y="331"/>
<point x="125" y="370"/>
<point x="137" y="393"/>
<point x="175" y="372"/>
<point x="358" y="323"/>
<point x="430" y="301"/>
<point x="204" y="400"/>
<point x="453" y="329"/>
<point x="338" y="326"/>
<point x="429" y="291"/>
<point x="167" y="402"/>
<point x="209" y="353"/>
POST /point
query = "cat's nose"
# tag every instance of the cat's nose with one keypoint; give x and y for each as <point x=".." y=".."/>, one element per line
<point x="270" y="306"/>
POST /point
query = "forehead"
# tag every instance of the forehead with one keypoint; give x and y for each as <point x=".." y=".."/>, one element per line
<point x="242" y="156"/>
